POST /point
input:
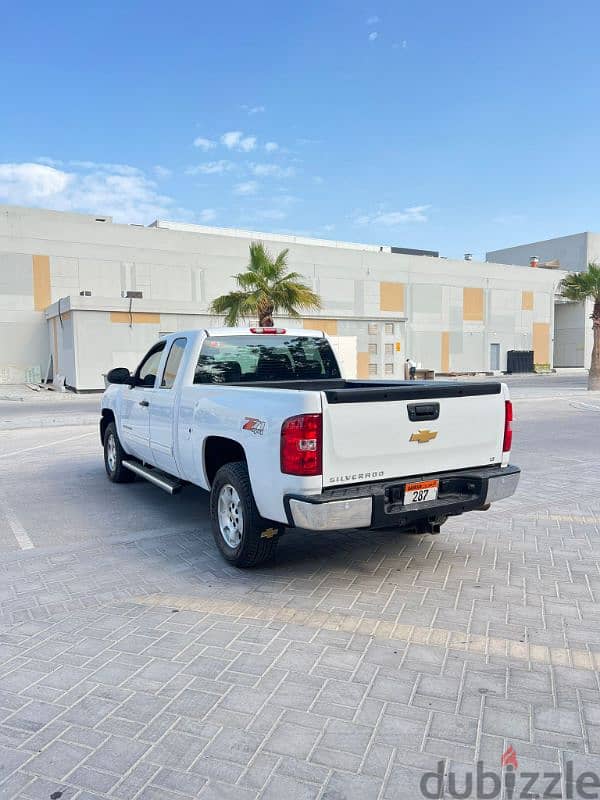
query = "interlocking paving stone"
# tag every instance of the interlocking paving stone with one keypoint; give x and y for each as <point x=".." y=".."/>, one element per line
<point x="281" y="786"/>
<point x="117" y="755"/>
<point x="347" y="668"/>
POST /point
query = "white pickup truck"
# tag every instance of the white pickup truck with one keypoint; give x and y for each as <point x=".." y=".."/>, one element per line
<point x="262" y="418"/>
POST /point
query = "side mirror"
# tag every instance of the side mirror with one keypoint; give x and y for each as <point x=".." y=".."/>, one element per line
<point x="119" y="375"/>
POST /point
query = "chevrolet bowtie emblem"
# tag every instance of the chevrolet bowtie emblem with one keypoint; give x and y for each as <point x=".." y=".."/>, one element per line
<point x="423" y="436"/>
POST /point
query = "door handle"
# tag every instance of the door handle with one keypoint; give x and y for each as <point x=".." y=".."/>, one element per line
<point x="144" y="403"/>
<point x="419" y="412"/>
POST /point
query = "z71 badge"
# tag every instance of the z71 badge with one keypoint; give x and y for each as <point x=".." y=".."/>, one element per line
<point x="256" y="426"/>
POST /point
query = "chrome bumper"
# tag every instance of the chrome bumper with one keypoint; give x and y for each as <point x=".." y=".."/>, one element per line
<point x="501" y="486"/>
<point x="332" y="516"/>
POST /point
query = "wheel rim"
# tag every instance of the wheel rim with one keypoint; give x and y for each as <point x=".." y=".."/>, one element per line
<point x="231" y="518"/>
<point x="111" y="452"/>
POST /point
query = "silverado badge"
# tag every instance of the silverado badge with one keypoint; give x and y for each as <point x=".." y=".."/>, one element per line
<point x="423" y="436"/>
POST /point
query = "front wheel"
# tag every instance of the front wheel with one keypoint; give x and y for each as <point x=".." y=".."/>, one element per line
<point x="113" y="457"/>
<point x="244" y="538"/>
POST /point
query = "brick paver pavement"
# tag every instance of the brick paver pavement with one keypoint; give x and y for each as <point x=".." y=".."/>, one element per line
<point x="141" y="666"/>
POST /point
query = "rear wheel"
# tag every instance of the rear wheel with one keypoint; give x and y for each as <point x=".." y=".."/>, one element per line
<point x="113" y="457"/>
<point x="244" y="538"/>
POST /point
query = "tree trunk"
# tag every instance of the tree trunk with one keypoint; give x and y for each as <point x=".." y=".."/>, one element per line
<point x="594" y="376"/>
<point x="265" y="315"/>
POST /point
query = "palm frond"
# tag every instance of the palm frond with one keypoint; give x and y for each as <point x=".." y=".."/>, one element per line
<point x="265" y="288"/>
<point x="578" y="286"/>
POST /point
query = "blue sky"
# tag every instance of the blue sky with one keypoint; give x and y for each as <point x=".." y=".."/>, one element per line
<point x="455" y="126"/>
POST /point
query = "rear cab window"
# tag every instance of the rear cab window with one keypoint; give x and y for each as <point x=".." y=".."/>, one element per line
<point x="264" y="357"/>
<point x="172" y="363"/>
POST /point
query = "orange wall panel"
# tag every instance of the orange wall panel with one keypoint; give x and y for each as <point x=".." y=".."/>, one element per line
<point x="541" y="342"/>
<point x="445" y="351"/>
<point x="527" y="301"/>
<point x="136" y="317"/>
<point x="41" y="282"/>
<point x="362" y="365"/>
<point x="391" y="296"/>
<point x="327" y="325"/>
<point x="472" y="304"/>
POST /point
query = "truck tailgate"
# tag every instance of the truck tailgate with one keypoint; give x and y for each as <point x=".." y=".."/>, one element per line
<point x="396" y="433"/>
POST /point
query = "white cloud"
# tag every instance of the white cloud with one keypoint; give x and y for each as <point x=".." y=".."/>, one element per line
<point x="373" y="35"/>
<point x="27" y="183"/>
<point x="318" y="180"/>
<point x="247" y="144"/>
<point x="119" y="190"/>
<point x="204" y="144"/>
<point x="270" y="147"/>
<point x="231" y="139"/>
<point x="272" y="171"/>
<point x="120" y="169"/>
<point x="211" y="168"/>
<point x="245" y="188"/>
<point x="207" y="215"/>
<point x="392" y="218"/>
<point x="235" y="140"/>
<point x="254" y="109"/>
<point x="51" y="162"/>
<point x="162" y="172"/>
<point x="373" y="20"/>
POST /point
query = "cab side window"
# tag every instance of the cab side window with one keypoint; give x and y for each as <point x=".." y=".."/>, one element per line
<point x="147" y="370"/>
<point x="173" y="362"/>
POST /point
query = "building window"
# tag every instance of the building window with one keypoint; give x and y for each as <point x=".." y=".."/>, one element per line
<point x="389" y="349"/>
<point x="373" y="348"/>
<point x="389" y="328"/>
<point x="372" y="329"/>
<point x="389" y="369"/>
<point x="372" y="369"/>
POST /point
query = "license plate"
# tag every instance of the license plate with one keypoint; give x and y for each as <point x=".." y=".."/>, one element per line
<point x="420" y="492"/>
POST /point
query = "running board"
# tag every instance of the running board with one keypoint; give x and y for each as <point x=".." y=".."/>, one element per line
<point x="160" y="479"/>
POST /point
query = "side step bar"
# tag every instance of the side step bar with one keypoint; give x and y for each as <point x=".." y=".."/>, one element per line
<point x="160" y="479"/>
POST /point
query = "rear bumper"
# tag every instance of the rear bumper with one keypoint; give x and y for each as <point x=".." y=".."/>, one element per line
<point x="380" y="505"/>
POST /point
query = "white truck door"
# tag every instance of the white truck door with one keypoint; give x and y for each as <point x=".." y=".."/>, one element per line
<point x="163" y="408"/>
<point x="135" y="410"/>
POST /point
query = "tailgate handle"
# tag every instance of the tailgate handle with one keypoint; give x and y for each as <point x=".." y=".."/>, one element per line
<point x="417" y="412"/>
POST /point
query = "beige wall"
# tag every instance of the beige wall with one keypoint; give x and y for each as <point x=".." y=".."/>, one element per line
<point x="443" y="313"/>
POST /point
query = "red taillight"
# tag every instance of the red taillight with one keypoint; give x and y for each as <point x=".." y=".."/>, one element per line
<point x="301" y="445"/>
<point x="267" y="330"/>
<point x="508" y="419"/>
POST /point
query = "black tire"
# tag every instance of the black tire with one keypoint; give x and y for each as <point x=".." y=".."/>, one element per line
<point x="258" y="537"/>
<point x="115" y="470"/>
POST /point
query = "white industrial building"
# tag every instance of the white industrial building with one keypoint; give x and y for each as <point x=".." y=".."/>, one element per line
<point x="573" y="337"/>
<point x="63" y="277"/>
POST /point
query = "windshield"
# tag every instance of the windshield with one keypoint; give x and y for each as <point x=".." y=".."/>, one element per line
<point x="234" y="359"/>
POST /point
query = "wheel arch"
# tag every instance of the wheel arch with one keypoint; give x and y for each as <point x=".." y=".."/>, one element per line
<point x="105" y="420"/>
<point x="218" y="451"/>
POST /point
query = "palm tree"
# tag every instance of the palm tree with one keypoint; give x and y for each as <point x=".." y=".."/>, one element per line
<point x="579" y="286"/>
<point x="265" y="288"/>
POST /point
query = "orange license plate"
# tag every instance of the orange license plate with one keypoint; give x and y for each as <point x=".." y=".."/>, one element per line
<point x="420" y="492"/>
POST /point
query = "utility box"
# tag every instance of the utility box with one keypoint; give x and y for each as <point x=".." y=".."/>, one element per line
<point x="519" y="361"/>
